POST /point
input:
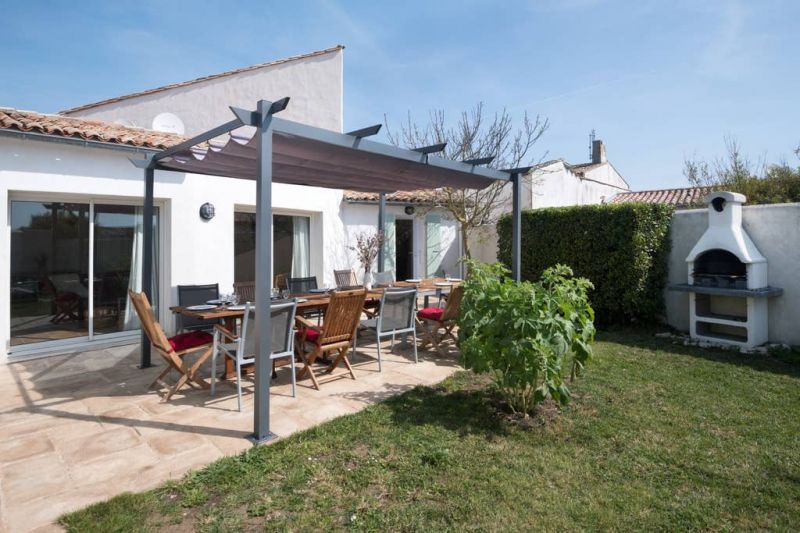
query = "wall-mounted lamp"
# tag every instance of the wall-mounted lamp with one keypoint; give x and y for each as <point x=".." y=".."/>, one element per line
<point x="207" y="211"/>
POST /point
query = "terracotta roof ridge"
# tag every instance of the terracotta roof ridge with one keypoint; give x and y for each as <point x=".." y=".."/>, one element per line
<point x="202" y="79"/>
<point x="670" y="189"/>
<point x="87" y="129"/>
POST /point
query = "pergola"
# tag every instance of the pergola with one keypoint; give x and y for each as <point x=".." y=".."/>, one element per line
<point x="283" y="151"/>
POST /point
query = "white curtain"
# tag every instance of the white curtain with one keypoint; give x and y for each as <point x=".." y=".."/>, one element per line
<point x="300" y="247"/>
<point x="135" y="279"/>
<point x="389" y="250"/>
<point x="130" y="320"/>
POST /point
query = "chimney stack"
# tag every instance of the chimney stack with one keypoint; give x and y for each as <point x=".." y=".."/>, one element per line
<point x="598" y="152"/>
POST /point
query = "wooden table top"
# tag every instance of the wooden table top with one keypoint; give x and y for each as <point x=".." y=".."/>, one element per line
<point x="314" y="300"/>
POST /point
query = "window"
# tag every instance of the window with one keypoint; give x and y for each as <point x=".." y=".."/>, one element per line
<point x="290" y="246"/>
<point x="63" y="283"/>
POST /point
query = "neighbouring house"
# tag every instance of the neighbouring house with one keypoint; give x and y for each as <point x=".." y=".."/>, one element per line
<point x="71" y="198"/>
<point x="558" y="183"/>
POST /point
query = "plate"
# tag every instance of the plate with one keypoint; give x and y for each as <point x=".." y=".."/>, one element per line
<point x="301" y="300"/>
<point x="217" y="302"/>
<point x="318" y="291"/>
<point x="442" y="284"/>
<point x="201" y="307"/>
<point x="236" y="308"/>
<point x="414" y="280"/>
<point x="453" y="279"/>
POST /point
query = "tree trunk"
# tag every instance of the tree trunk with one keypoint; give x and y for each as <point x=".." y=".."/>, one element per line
<point x="465" y="251"/>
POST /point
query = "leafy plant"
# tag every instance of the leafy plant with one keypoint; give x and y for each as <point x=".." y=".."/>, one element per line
<point x="523" y="334"/>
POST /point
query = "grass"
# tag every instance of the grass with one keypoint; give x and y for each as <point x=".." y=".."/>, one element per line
<point x="658" y="437"/>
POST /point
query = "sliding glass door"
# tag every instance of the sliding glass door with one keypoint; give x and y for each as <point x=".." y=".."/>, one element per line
<point x="290" y="246"/>
<point x="71" y="267"/>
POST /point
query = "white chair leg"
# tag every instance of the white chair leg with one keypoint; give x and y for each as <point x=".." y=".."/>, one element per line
<point x="214" y="369"/>
<point x="380" y="367"/>
<point x="239" y="383"/>
<point x="414" y="333"/>
<point x="294" y="377"/>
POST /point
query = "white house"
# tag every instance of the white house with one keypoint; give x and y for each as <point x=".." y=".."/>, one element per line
<point x="558" y="183"/>
<point x="71" y="245"/>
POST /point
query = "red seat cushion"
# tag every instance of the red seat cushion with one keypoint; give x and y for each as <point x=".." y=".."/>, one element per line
<point x="431" y="313"/>
<point x="190" y="339"/>
<point x="312" y="335"/>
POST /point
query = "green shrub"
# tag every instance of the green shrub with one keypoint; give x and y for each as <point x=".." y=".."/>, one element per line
<point x="623" y="249"/>
<point x="523" y="333"/>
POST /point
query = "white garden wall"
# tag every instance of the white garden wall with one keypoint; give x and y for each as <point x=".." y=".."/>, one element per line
<point x="775" y="229"/>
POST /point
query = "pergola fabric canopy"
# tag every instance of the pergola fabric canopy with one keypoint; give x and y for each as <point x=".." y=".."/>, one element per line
<point x="288" y="152"/>
<point x="304" y="155"/>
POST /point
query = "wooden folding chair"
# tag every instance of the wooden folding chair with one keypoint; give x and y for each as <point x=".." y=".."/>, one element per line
<point x="432" y="319"/>
<point x="173" y="349"/>
<point x="336" y="333"/>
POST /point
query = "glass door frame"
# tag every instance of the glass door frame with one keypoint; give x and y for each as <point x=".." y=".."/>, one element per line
<point x="90" y="340"/>
<point x="310" y="215"/>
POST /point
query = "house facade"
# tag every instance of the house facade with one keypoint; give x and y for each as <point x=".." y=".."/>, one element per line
<point x="71" y="245"/>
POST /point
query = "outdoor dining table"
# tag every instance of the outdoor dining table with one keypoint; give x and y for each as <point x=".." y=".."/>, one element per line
<point x="305" y="302"/>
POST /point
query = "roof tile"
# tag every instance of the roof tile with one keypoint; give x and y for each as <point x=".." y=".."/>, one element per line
<point x="86" y="129"/>
<point x="684" y="197"/>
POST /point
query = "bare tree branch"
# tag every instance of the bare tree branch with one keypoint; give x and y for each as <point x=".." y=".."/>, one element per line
<point x="475" y="135"/>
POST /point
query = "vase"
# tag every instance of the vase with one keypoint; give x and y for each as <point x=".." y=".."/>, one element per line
<point x="367" y="280"/>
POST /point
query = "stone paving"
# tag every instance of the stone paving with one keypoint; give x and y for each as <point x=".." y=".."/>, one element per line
<point x="80" y="428"/>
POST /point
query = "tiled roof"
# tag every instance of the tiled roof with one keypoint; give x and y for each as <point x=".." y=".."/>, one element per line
<point x="420" y="196"/>
<point x="686" y="197"/>
<point x="85" y="129"/>
<point x="202" y="79"/>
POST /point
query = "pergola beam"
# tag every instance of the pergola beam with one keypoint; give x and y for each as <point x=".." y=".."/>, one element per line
<point x="369" y="131"/>
<point x="295" y="166"/>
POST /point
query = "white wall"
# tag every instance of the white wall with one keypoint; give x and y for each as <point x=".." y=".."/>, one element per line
<point x="193" y="251"/>
<point x="775" y="230"/>
<point x="363" y="218"/>
<point x="556" y="186"/>
<point x="315" y="85"/>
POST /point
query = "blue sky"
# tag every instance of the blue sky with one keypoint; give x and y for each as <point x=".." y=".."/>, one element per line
<point x="658" y="80"/>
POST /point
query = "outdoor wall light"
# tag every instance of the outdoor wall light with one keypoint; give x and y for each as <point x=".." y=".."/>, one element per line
<point x="207" y="211"/>
<point x="409" y="210"/>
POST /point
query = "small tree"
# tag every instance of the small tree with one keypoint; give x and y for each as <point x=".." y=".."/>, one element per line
<point x="475" y="136"/>
<point x="761" y="183"/>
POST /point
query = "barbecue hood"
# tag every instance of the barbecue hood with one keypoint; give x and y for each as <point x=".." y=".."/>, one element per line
<point x="725" y="230"/>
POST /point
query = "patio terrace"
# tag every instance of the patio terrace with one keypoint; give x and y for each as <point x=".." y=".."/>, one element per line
<point x="80" y="428"/>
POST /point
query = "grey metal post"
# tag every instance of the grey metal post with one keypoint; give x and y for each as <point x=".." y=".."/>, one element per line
<point x="263" y="370"/>
<point x="516" y="229"/>
<point x="381" y="227"/>
<point x="147" y="256"/>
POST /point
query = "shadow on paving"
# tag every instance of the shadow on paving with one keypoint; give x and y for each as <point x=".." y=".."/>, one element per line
<point x="646" y="339"/>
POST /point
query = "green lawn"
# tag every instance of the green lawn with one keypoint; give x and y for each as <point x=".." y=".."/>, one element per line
<point x="658" y="436"/>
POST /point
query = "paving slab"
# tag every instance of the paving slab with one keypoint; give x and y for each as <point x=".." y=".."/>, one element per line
<point x="82" y="427"/>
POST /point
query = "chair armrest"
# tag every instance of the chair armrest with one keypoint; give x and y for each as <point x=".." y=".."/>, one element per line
<point x="304" y="323"/>
<point x="226" y="332"/>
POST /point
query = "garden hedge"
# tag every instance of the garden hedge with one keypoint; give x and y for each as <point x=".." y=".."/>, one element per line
<point x="623" y="249"/>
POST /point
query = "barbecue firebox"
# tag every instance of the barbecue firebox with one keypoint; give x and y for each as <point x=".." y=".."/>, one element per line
<point x="727" y="279"/>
